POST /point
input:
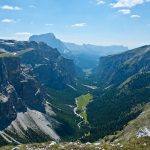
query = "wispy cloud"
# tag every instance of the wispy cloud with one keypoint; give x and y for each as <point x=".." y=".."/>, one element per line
<point x="124" y="11"/>
<point x="135" y="16"/>
<point x="100" y="2"/>
<point x="32" y="6"/>
<point x="23" y="33"/>
<point x="49" y="24"/>
<point x="8" y="20"/>
<point x="8" y="7"/>
<point x="127" y="3"/>
<point x="79" y="25"/>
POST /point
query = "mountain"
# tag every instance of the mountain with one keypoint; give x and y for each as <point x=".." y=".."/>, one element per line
<point x="96" y="49"/>
<point x="27" y="70"/>
<point x="46" y="63"/>
<point x="50" y="40"/>
<point x="24" y="112"/>
<point x="84" y="56"/>
<point x="123" y="82"/>
<point x="87" y="55"/>
<point x="123" y="65"/>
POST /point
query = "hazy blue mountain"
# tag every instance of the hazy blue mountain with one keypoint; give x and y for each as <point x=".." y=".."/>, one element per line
<point x="51" y="40"/>
<point x="85" y="56"/>
<point x="96" y="49"/>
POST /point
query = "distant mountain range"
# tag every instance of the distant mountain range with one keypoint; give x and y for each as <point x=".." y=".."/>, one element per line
<point x="85" y="56"/>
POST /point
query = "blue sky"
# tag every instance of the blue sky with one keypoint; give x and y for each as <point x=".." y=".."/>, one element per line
<point x="101" y="22"/>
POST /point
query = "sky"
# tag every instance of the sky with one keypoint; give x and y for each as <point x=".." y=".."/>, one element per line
<point x="100" y="22"/>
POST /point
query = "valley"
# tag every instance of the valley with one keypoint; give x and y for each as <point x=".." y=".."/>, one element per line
<point x="74" y="75"/>
<point x="63" y="105"/>
<point x="81" y="103"/>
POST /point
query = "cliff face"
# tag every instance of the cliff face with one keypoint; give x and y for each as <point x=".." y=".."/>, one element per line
<point x="49" y="66"/>
<point x="115" y="69"/>
<point x="25" y="114"/>
<point x="23" y="109"/>
<point x="9" y="78"/>
<point x="46" y="63"/>
<point x="50" y="40"/>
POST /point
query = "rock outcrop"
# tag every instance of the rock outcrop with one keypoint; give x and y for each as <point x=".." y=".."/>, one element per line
<point x="46" y="63"/>
<point x="24" y="112"/>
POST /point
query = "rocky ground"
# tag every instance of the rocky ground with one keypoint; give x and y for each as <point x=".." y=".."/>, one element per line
<point x="134" y="144"/>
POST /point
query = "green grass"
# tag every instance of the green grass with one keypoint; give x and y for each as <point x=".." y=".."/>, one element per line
<point x="7" y="55"/>
<point x="82" y="103"/>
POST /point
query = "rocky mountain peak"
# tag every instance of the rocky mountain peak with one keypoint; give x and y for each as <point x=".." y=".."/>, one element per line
<point x="51" y="40"/>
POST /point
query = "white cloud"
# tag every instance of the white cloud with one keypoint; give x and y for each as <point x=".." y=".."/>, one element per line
<point x="79" y="25"/>
<point x="124" y="11"/>
<point x="8" y="7"/>
<point x="127" y="3"/>
<point x="100" y="2"/>
<point x="8" y="21"/>
<point x="23" y="33"/>
<point x="135" y="16"/>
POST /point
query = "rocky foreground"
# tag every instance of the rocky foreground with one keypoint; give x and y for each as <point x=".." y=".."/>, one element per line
<point x="134" y="144"/>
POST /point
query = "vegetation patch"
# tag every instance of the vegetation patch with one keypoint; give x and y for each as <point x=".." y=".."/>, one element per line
<point x="3" y="55"/>
<point x="82" y="103"/>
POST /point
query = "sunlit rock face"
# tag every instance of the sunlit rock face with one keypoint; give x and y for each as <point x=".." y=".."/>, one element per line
<point x="23" y="109"/>
<point x="46" y="63"/>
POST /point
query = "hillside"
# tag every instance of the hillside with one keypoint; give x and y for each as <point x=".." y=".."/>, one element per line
<point x="123" y="66"/>
<point x="124" y="82"/>
<point x="46" y="63"/>
<point x="30" y="71"/>
<point x="135" y="129"/>
<point x="24" y="113"/>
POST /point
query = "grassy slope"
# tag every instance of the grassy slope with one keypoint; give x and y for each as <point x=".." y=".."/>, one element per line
<point x="114" y="108"/>
<point x="134" y="144"/>
<point x="63" y="104"/>
<point x="129" y="132"/>
<point x="82" y="103"/>
<point x="6" y="55"/>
